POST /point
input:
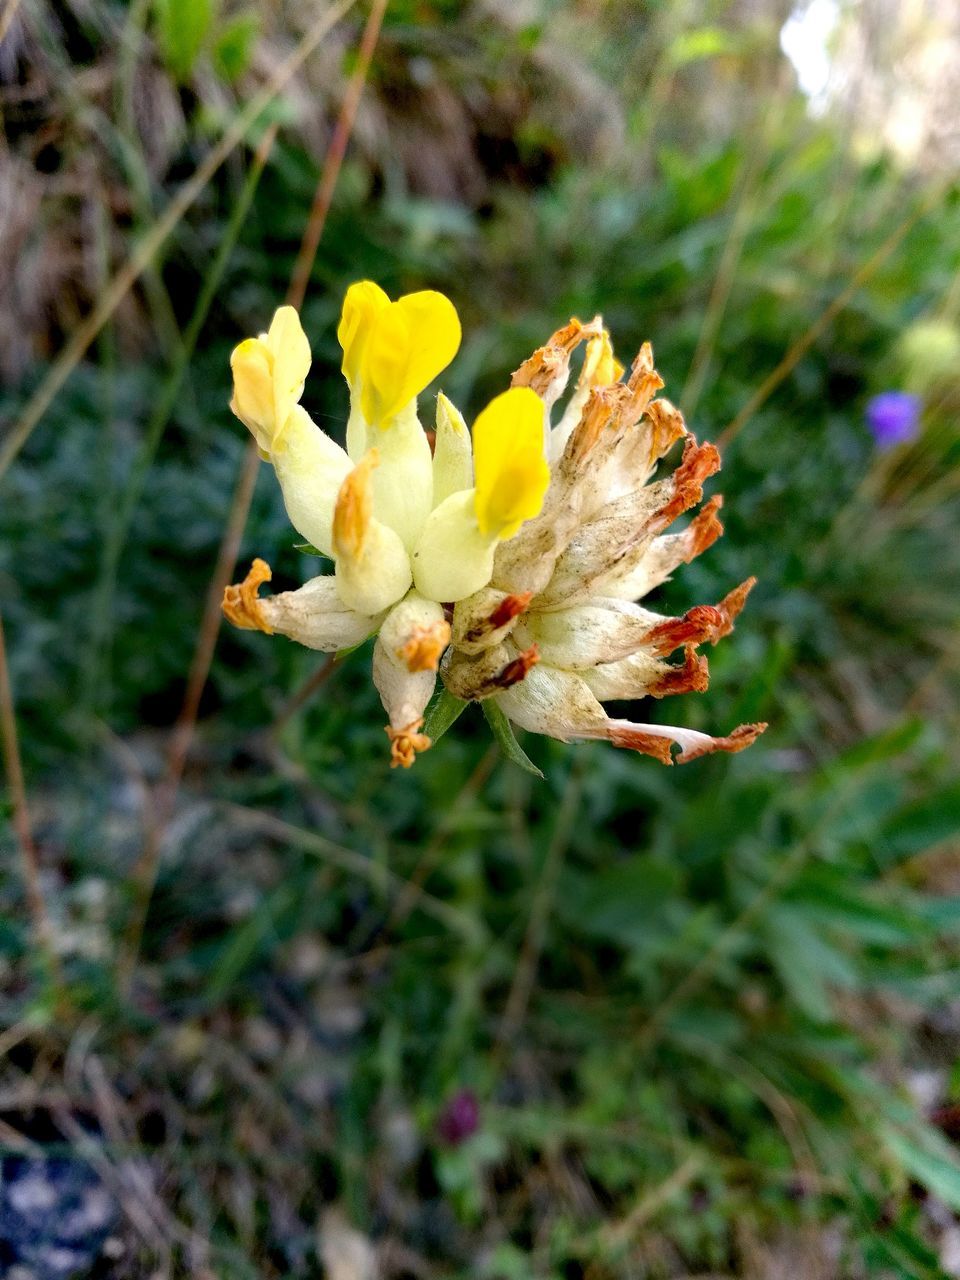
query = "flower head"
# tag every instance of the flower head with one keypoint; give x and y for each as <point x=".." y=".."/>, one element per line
<point x="894" y="418"/>
<point x="508" y="561"/>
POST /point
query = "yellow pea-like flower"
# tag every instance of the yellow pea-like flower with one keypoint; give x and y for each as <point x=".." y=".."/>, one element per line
<point x="511" y="471"/>
<point x="392" y="350"/>
<point x="268" y="377"/>
<point x="363" y="302"/>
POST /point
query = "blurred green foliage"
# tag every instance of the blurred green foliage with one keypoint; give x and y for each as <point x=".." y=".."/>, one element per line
<point x="690" y="1002"/>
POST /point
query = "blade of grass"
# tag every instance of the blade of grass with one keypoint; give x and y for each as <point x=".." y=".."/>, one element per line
<point x="128" y="275"/>
<point x="102" y="605"/>
<point x="348" y="860"/>
<point x="42" y="927"/>
<point x="531" y="948"/>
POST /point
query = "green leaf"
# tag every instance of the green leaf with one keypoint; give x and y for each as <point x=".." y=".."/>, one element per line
<point x="930" y="1161"/>
<point x="234" y="47"/>
<point x="182" y="29"/>
<point x="506" y="738"/>
<point x="807" y="964"/>
<point x="923" y="825"/>
<point x="442" y="710"/>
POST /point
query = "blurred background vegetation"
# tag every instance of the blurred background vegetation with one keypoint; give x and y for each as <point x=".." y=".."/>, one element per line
<point x="321" y="1019"/>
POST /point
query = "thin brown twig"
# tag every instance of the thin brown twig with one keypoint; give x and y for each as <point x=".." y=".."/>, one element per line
<point x="30" y="862"/>
<point x="803" y="344"/>
<point x="333" y="161"/>
<point x="302" y="268"/>
<point x="243" y="494"/>
<point x="145" y="873"/>
<point x="127" y="276"/>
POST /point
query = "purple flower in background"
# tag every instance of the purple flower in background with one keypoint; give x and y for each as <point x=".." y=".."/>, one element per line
<point x="460" y="1117"/>
<point x="894" y="418"/>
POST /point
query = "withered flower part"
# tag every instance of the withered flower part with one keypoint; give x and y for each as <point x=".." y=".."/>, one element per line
<point x="510" y="560"/>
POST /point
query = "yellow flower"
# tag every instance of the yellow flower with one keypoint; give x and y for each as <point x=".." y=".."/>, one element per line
<point x="511" y="470"/>
<point x="508" y="562"/>
<point x="268" y="377"/>
<point x="393" y="350"/>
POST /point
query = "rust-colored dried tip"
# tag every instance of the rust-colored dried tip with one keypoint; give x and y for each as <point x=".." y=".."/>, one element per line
<point x="516" y="670"/>
<point x="423" y="650"/>
<point x="699" y="461"/>
<point x="509" y="608"/>
<point x="704" y="529"/>
<point x="730" y="606"/>
<point x="701" y="623"/>
<point x="745" y="735"/>
<point x="406" y="744"/>
<point x="666" y="426"/>
<point x="354" y="509"/>
<point x="692" y="677"/>
<point x="603" y="405"/>
<point x="240" y="604"/>
<point x="549" y="361"/>
<point x="647" y="744"/>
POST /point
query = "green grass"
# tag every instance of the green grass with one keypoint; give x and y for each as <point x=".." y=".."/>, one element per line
<point x="691" y="1001"/>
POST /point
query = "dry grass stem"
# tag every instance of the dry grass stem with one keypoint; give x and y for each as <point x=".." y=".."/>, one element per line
<point x="113" y="295"/>
<point x="803" y="344"/>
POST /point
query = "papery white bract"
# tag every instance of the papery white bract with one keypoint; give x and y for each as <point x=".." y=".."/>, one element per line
<point x="508" y="561"/>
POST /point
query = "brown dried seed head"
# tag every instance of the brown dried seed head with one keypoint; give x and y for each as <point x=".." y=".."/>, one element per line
<point x="698" y="625"/>
<point x="551" y="360"/>
<point x="731" y="605"/>
<point x="704" y="529"/>
<point x="509" y="608"/>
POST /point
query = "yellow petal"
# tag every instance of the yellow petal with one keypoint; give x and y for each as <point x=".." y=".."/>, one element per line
<point x="268" y="377"/>
<point x="410" y="342"/>
<point x="360" y="306"/>
<point x="291" y="363"/>
<point x="252" y="366"/>
<point x="511" y="471"/>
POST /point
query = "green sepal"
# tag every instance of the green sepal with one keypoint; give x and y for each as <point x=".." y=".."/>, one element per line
<point x="442" y="709"/>
<point x="506" y="738"/>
